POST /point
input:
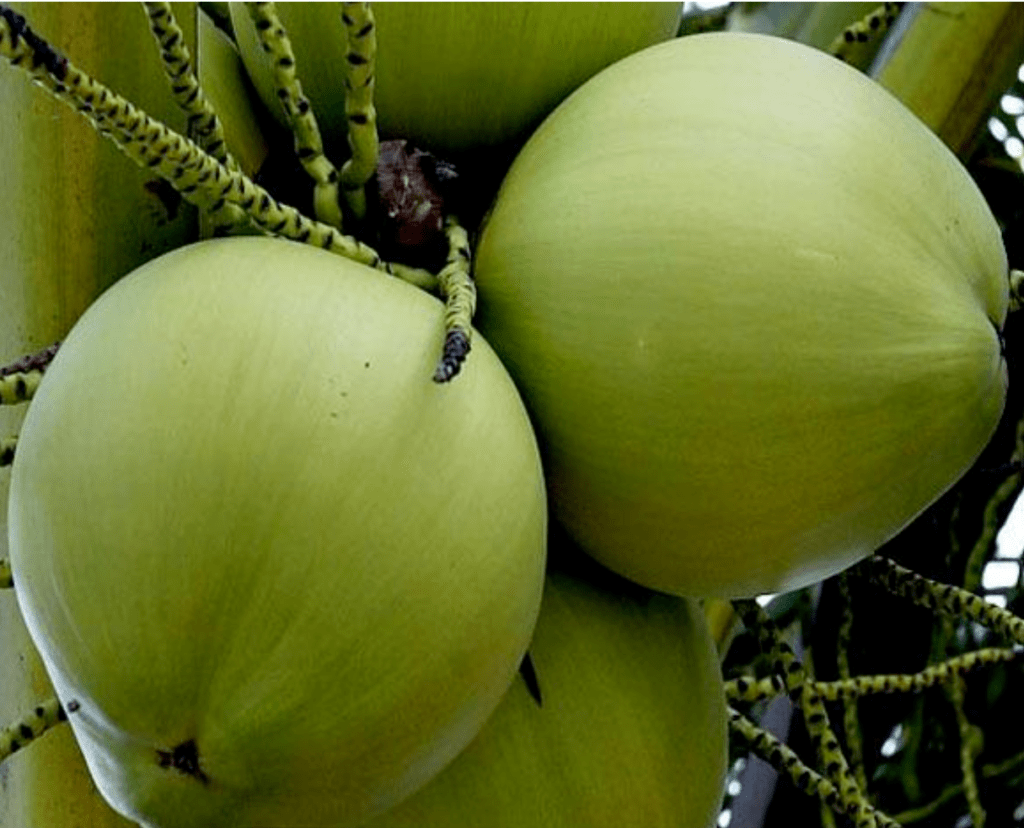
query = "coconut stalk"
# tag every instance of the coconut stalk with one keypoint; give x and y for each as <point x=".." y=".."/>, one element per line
<point x="950" y="63"/>
<point x="77" y="218"/>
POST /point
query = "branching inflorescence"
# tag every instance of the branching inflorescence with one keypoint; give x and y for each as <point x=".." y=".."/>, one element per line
<point x="198" y="176"/>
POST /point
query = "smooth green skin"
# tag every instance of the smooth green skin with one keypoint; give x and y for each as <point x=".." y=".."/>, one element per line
<point x="456" y="76"/>
<point x="242" y="513"/>
<point x="631" y="730"/>
<point x="752" y="305"/>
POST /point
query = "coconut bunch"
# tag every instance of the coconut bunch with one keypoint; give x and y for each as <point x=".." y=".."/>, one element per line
<point x="392" y="501"/>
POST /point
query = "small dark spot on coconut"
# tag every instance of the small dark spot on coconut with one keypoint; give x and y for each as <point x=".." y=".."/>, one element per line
<point x="185" y="759"/>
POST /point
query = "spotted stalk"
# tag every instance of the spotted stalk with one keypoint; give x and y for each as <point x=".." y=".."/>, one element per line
<point x="970" y="746"/>
<point x="781" y="757"/>
<point x="203" y="123"/>
<point x="786" y="665"/>
<point x="944" y="599"/>
<point x="992" y="517"/>
<point x="309" y="146"/>
<point x="749" y="690"/>
<point x="43" y="717"/>
<point x="1016" y="290"/>
<point x="200" y="178"/>
<point x="851" y="723"/>
<point x="7" y="445"/>
<point x="459" y="292"/>
<point x="20" y="387"/>
<point x="360" y="113"/>
<point x="857" y="43"/>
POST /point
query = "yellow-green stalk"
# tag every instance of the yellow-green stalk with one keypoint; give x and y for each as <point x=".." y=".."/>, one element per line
<point x="953" y="63"/>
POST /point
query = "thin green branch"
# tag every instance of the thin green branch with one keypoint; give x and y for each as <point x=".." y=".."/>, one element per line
<point x="970" y="747"/>
<point x="781" y="757"/>
<point x="7" y="446"/>
<point x="188" y="94"/>
<point x="203" y="122"/>
<point x="1016" y="290"/>
<point x="802" y="691"/>
<point x="298" y="109"/>
<point x="944" y="599"/>
<point x="198" y="177"/>
<point x="459" y="291"/>
<point x="19" y="387"/>
<point x="752" y="690"/>
<point x="857" y="43"/>
<point x="991" y="771"/>
<point x="360" y="113"/>
<point x="993" y="515"/>
<point x="851" y="723"/>
<point x="43" y="717"/>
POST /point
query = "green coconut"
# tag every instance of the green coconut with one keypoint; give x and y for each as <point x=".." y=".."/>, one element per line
<point x="278" y="576"/>
<point x="456" y="76"/>
<point x="625" y="723"/>
<point x="754" y="308"/>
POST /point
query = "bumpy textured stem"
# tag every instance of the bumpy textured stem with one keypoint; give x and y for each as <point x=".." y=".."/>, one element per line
<point x="202" y="120"/>
<point x="308" y="143"/>
<point x="19" y="387"/>
<point x="6" y="575"/>
<point x="851" y="723"/>
<point x="784" y="759"/>
<point x="752" y="690"/>
<point x="7" y="446"/>
<point x="198" y="177"/>
<point x="459" y="291"/>
<point x="360" y="114"/>
<point x="786" y="665"/>
<point x="970" y="747"/>
<point x="945" y="599"/>
<point x="46" y="715"/>
<point x="1016" y="290"/>
<point x="992" y="516"/>
<point x="188" y="94"/>
<point x="856" y="43"/>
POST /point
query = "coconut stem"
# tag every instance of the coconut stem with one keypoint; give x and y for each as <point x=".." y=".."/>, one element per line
<point x="781" y="757"/>
<point x="786" y="665"/>
<point x="857" y="43"/>
<point x="19" y="387"/>
<point x="7" y="446"/>
<point x="309" y="146"/>
<point x="970" y="747"/>
<point x="197" y="176"/>
<point x="459" y="291"/>
<point x="1016" y="290"/>
<point x="851" y="722"/>
<point x="46" y="715"/>
<point x="360" y="113"/>
<point x="203" y="122"/>
<point x="750" y="690"/>
<point x="946" y="600"/>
